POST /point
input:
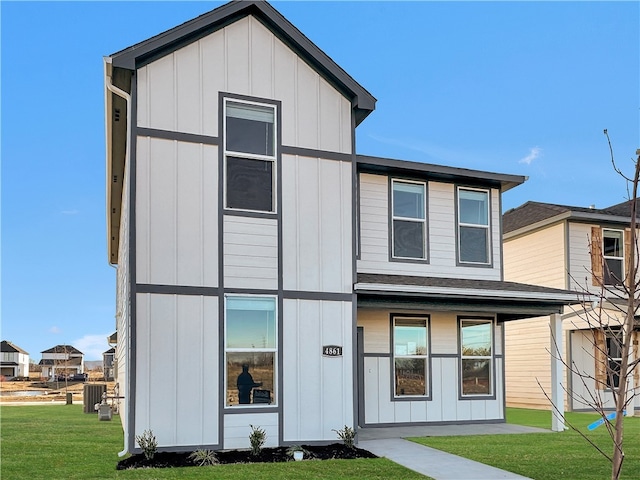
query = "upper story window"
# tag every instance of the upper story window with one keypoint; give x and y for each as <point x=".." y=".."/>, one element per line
<point x="473" y="226"/>
<point x="409" y="220"/>
<point x="476" y="357"/>
<point x="613" y="253"/>
<point x="250" y="156"/>
<point x="410" y="356"/>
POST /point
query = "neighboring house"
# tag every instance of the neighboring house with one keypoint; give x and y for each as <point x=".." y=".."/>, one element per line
<point x="108" y="364"/>
<point x="14" y="362"/>
<point x="569" y="248"/>
<point x="62" y="359"/>
<point x="270" y="276"/>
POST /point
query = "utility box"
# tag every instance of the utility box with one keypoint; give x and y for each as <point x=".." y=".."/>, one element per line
<point x="104" y="412"/>
<point x="93" y="394"/>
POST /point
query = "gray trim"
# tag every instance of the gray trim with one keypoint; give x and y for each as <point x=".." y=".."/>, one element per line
<point x="426" y="243"/>
<point x="178" y="136"/>
<point x="359" y="387"/>
<point x="240" y="410"/>
<point x="392" y="369"/>
<point x="221" y="300"/>
<point x="356" y="215"/>
<point x="500" y="236"/>
<point x="177" y="290"/>
<point x="313" y="153"/>
<point x="439" y="173"/>
<point x="358" y="394"/>
<point x="191" y="31"/>
<point x="251" y="214"/>
<point x="132" y="354"/>
<point x="327" y="296"/>
<point x="377" y="355"/>
<point x="445" y="355"/>
<point x="250" y="291"/>
<point x="492" y="319"/>
<point x="280" y="352"/>
<point x="504" y="373"/>
<point x="460" y="263"/>
<point x="426" y="424"/>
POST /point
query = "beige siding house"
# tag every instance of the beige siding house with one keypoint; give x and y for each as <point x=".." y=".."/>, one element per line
<point x="268" y="275"/>
<point x="569" y="248"/>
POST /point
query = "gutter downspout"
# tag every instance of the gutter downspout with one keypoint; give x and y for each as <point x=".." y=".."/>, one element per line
<point x="109" y="86"/>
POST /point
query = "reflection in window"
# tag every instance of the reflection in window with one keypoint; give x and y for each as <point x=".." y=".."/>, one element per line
<point x="250" y="350"/>
<point x="473" y="226"/>
<point x="410" y="356"/>
<point x="612" y="249"/>
<point x="476" y="345"/>
<point x="409" y="220"/>
<point x="614" y="357"/>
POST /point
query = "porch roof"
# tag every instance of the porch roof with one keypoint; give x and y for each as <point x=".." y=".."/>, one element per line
<point x="509" y="300"/>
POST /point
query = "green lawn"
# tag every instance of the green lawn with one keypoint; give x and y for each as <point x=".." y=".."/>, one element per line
<point x="59" y="442"/>
<point x="552" y="456"/>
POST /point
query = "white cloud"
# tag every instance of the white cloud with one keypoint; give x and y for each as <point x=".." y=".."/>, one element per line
<point x="533" y="154"/>
<point x="55" y="330"/>
<point x="92" y="346"/>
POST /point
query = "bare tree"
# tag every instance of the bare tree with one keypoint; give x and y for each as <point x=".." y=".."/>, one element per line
<point x="612" y="330"/>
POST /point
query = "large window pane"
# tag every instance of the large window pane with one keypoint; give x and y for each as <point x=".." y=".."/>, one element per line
<point x="250" y="129"/>
<point x="251" y="323"/>
<point x="410" y="356"/>
<point x="250" y="378"/>
<point x="476" y="345"/>
<point x="473" y="245"/>
<point x="250" y="184"/>
<point x="408" y="200"/>
<point x="474" y="207"/>
<point x="612" y="249"/>
<point x="476" y="377"/>
<point x="410" y="336"/>
<point x="476" y="339"/>
<point x="408" y="239"/>
<point x="410" y="376"/>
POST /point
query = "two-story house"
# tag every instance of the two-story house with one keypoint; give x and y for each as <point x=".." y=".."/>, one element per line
<point x="270" y="276"/>
<point x="63" y="360"/>
<point x="578" y="249"/>
<point x="14" y="361"/>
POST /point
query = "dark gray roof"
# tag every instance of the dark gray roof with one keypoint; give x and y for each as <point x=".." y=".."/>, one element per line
<point x="169" y="41"/>
<point x="112" y="350"/>
<point x="531" y="213"/>
<point x="6" y="346"/>
<point x="72" y="362"/>
<point x="63" y="349"/>
<point x="438" y="172"/>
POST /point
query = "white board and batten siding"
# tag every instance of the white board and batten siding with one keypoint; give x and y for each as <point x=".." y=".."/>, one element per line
<point x="237" y="429"/>
<point x="176" y="347"/>
<point x="176" y="213"/>
<point x="444" y="406"/>
<point x="316" y="219"/>
<point x="318" y="393"/>
<point x="179" y="92"/>
<point x="375" y="237"/>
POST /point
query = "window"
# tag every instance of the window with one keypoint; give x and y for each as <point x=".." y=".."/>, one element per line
<point x="250" y="156"/>
<point x="612" y="251"/>
<point x="476" y="352"/>
<point x="614" y="357"/>
<point x="473" y="226"/>
<point x="250" y="350"/>
<point x="410" y="356"/>
<point x="409" y="220"/>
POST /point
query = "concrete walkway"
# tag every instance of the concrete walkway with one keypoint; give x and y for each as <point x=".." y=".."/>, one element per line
<point x="389" y="442"/>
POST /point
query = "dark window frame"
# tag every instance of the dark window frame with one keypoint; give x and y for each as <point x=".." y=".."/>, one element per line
<point x="478" y="320"/>
<point x="424" y="221"/>
<point x="487" y="228"/>
<point x="427" y="358"/>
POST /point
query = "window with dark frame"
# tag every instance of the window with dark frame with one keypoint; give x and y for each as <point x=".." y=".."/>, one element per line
<point x="476" y="357"/>
<point x="409" y="219"/>
<point x="251" y="346"/>
<point x="613" y="253"/>
<point x="250" y="156"/>
<point x="473" y="226"/>
<point x="410" y="355"/>
<point x="613" y="340"/>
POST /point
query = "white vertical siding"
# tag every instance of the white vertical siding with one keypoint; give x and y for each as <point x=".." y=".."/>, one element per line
<point x="179" y="92"/>
<point x="175" y="334"/>
<point x="250" y="252"/>
<point x="316" y="218"/>
<point x="237" y="428"/>
<point x="176" y="213"/>
<point x="318" y="394"/>
<point x="441" y="241"/>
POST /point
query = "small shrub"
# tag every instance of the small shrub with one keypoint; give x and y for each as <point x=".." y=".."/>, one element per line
<point x="257" y="437"/>
<point x="204" y="458"/>
<point x="148" y="444"/>
<point x="347" y="435"/>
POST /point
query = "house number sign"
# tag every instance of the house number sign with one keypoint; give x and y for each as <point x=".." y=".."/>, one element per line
<point x="331" y="351"/>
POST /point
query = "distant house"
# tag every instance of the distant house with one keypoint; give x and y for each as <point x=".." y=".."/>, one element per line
<point x="108" y="366"/>
<point x="574" y="248"/>
<point x="268" y="274"/>
<point x="14" y="360"/>
<point x="62" y="359"/>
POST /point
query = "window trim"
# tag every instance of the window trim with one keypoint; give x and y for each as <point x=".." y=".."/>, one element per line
<point x="427" y="358"/>
<point x="612" y="334"/>
<point x="492" y="358"/>
<point x="425" y="224"/>
<point x="487" y="228"/>
<point x="609" y="257"/>
<point x="276" y="356"/>
<point x="274" y="159"/>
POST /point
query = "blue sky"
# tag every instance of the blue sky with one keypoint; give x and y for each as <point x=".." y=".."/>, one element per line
<point x="510" y="87"/>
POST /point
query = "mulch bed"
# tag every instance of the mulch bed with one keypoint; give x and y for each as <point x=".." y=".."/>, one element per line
<point x="267" y="455"/>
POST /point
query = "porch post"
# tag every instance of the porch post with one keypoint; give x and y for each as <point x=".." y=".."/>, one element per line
<point x="557" y="392"/>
